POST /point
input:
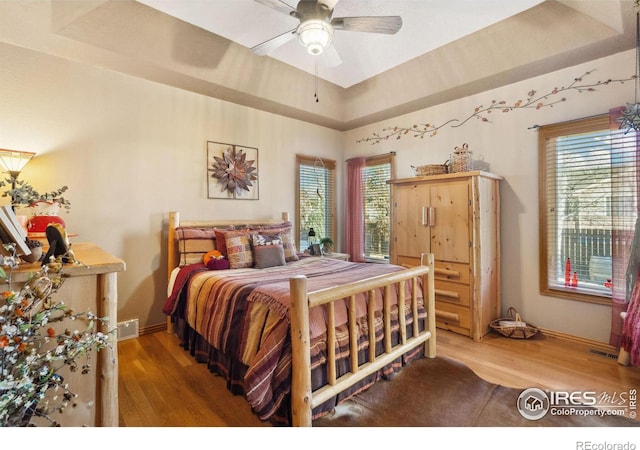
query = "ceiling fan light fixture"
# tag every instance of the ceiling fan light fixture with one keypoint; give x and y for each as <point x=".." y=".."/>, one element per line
<point x="315" y="35"/>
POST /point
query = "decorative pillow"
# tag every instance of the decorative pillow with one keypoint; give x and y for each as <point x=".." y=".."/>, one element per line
<point x="285" y="230"/>
<point x="220" y="244"/>
<point x="218" y="264"/>
<point x="193" y="243"/>
<point x="268" y="250"/>
<point x="238" y="243"/>
<point x="215" y="261"/>
<point x="220" y="240"/>
<point x="259" y="240"/>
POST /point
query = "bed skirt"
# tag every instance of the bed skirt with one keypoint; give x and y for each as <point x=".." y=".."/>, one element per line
<point x="278" y="412"/>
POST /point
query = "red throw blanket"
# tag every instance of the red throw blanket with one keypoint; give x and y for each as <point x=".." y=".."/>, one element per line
<point x="179" y="284"/>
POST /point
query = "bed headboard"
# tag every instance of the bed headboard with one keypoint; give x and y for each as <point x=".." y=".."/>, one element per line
<point x="189" y="240"/>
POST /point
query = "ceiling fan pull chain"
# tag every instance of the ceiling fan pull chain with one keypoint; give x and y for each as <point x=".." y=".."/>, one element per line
<point x="315" y="94"/>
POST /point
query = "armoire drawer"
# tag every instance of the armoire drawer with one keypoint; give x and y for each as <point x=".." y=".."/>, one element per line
<point x="451" y="271"/>
<point x="455" y="293"/>
<point x="453" y="317"/>
<point x="408" y="261"/>
<point x="443" y="270"/>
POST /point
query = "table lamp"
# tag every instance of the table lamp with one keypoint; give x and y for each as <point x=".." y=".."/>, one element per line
<point x="13" y="161"/>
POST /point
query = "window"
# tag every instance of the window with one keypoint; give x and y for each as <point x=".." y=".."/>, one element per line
<point x="377" y="207"/>
<point x="316" y="199"/>
<point x="588" y="208"/>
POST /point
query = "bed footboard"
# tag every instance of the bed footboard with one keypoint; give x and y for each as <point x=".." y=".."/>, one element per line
<point x="303" y="400"/>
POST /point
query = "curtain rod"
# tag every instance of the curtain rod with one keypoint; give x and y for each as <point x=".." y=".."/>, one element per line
<point x="535" y="127"/>
<point x="374" y="156"/>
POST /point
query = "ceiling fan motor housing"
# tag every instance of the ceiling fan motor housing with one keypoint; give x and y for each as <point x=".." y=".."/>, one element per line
<point x="315" y="31"/>
<point x="317" y="25"/>
<point x="315" y="35"/>
<point x="311" y="9"/>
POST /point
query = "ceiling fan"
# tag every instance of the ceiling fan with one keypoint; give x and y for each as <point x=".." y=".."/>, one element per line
<point x="315" y="31"/>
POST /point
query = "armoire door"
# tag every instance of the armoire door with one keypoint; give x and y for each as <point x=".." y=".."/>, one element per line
<point x="450" y="215"/>
<point x="412" y="233"/>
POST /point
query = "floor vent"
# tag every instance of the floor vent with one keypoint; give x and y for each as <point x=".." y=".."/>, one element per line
<point x="605" y="354"/>
<point x="128" y="330"/>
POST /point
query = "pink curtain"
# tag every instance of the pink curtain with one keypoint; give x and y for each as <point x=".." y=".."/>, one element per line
<point x="620" y="259"/>
<point x="626" y="334"/>
<point x="630" y="340"/>
<point x="354" y="235"/>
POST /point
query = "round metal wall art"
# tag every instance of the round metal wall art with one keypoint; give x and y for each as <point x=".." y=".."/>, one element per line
<point x="234" y="170"/>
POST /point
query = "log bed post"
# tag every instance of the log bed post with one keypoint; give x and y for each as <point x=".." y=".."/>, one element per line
<point x="303" y="399"/>
<point x="301" y="414"/>
<point x="429" y="281"/>
<point x="172" y="255"/>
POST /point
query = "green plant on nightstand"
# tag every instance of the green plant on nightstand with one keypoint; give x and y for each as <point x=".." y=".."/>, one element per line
<point x="44" y="206"/>
<point x="327" y="244"/>
<point x="23" y="194"/>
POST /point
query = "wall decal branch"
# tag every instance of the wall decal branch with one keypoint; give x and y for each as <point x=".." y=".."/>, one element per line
<point x="482" y="112"/>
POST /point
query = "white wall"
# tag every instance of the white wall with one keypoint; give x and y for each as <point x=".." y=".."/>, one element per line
<point x="132" y="150"/>
<point x="509" y="145"/>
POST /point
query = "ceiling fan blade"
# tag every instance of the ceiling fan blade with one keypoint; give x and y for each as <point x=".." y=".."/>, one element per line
<point x="273" y="43"/>
<point x="331" y="56"/>
<point x="369" y="24"/>
<point x="278" y="5"/>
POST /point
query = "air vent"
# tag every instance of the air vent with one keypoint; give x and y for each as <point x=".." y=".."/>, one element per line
<point x="605" y="354"/>
<point x="128" y="330"/>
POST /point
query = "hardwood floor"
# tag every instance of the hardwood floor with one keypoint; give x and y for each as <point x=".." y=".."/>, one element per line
<point x="160" y="385"/>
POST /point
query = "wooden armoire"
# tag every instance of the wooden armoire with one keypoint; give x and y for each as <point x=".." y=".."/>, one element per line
<point x="457" y="218"/>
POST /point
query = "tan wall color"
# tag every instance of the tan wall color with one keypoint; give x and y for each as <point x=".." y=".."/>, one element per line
<point x="130" y="150"/>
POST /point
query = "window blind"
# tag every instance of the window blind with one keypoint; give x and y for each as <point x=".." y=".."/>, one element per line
<point x="377" y="207"/>
<point x="316" y="199"/>
<point x="589" y="204"/>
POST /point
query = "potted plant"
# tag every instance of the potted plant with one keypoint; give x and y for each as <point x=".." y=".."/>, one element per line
<point x="23" y="194"/>
<point x="327" y="244"/>
<point x="45" y="206"/>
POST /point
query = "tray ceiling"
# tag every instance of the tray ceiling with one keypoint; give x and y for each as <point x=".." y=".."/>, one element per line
<point x="427" y="25"/>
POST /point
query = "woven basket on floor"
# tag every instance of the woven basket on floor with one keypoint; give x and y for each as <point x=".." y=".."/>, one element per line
<point x="513" y="326"/>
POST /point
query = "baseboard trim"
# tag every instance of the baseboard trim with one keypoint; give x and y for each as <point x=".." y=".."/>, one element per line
<point x="153" y="328"/>
<point x="580" y="340"/>
<point x="551" y="333"/>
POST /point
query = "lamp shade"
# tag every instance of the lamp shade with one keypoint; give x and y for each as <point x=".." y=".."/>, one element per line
<point x="315" y="35"/>
<point x="13" y="161"/>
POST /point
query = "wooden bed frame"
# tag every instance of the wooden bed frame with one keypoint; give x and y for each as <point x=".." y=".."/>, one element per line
<point x="303" y="399"/>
